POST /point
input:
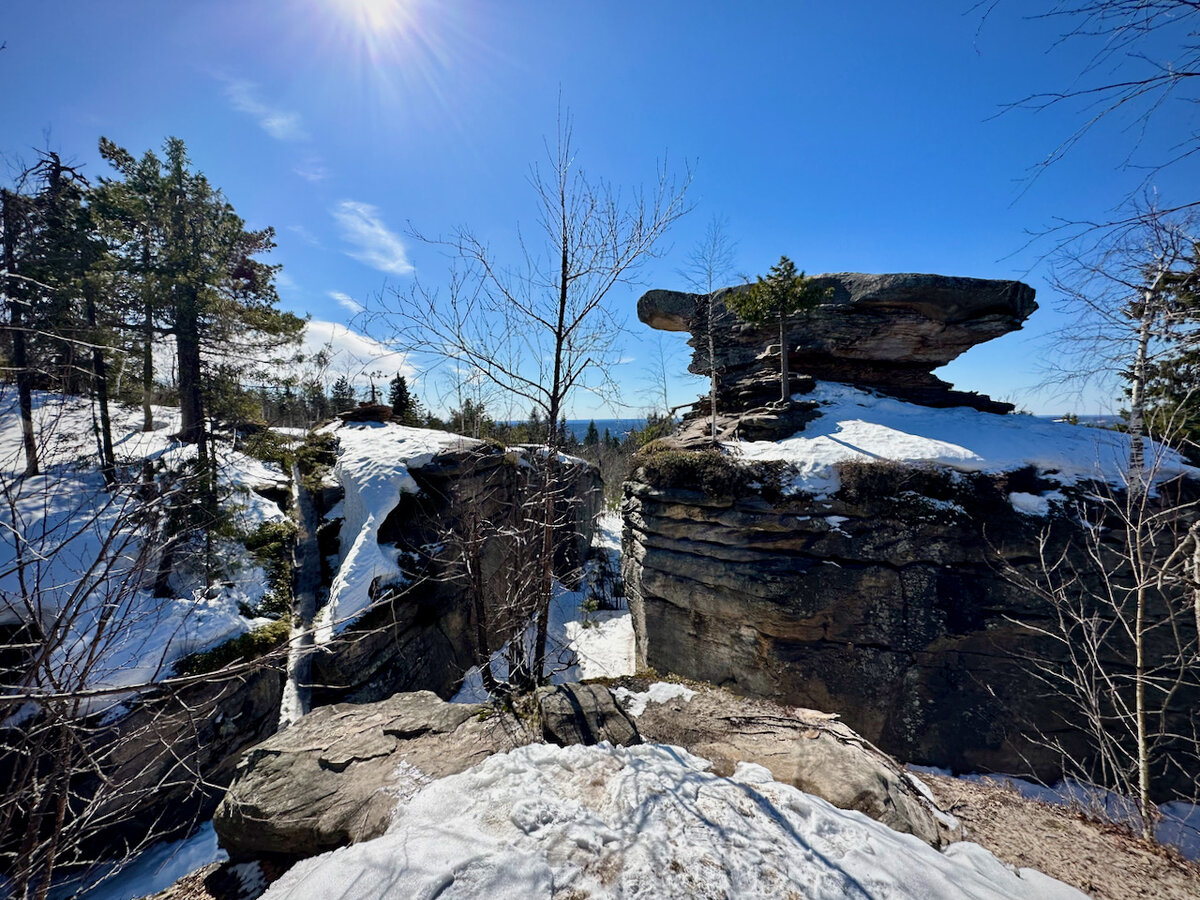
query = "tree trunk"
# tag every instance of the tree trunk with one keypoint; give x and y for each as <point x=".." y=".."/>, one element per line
<point x="785" y="395"/>
<point x="147" y="338"/>
<point x="12" y="225"/>
<point x="108" y="462"/>
<point x="1137" y="402"/>
<point x="187" y="342"/>
<point x="712" y="369"/>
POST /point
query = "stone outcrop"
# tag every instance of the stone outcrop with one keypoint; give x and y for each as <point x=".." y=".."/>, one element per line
<point x="887" y="332"/>
<point x="163" y="763"/>
<point x="339" y="774"/>
<point x="584" y="714"/>
<point x="426" y="637"/>
<point x="807" y="749"/>
<point x="896" y="602"/>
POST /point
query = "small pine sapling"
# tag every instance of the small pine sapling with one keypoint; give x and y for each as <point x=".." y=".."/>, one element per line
<point x="781" y="294"/>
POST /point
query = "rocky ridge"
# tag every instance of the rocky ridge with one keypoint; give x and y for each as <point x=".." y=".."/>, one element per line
<point x="824" y="558"/>
<point x="885" y="332"/>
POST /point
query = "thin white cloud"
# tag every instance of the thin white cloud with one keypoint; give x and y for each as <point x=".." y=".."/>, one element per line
<point x="352" y="353"/>
<point x="285" y="281"/>
<point x="278" y="123"/>
<point x="375" y="245"/>
<point x="347" y="302"/>
<point x="312" y="169"/>
<point x="305" y="235"/>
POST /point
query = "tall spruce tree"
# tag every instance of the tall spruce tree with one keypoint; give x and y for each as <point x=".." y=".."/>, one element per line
<point x="201" y="279"/>
<point x="341" y="395"/>
<point x="400" y="399"/>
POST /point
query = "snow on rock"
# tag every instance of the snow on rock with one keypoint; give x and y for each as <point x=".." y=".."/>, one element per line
<point x="581" y="645"/>
<point x="1034" y="504"/>
<point x="659" y="692"/>
<point x="855" y="424"/>
<point x="644" y="821"/>
<point x="374" y="459"/>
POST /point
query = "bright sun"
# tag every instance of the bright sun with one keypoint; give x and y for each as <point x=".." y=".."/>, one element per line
<point x="378" y="16"/>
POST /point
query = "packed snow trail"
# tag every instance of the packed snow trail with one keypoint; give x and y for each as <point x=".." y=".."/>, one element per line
<point x="645" y="822"/>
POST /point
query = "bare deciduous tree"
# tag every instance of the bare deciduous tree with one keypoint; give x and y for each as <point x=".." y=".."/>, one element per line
<point x="709" y="266"/>
<point x="1123" y="598"/>
<point x="1125" y="659"/>
<point x="541" y="329"/>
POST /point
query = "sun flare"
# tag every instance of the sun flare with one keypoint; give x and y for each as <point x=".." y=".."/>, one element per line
<point x="375" y="17"/>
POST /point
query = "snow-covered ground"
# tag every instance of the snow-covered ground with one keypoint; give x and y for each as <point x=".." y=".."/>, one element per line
<point x="374" y="460"/>
<point x="648" y="821"/>
<point x="76" y="556"/>
<point x="1178" y="826"/>
<point x="855" y="424"/>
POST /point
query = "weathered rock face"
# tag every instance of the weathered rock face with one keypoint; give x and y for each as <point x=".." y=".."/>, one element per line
<point x="337" y="775"/>
<point x="165" y="762"/>
<point x="807" y="749"/>
<point x="428" y="634"/>
<point x="886" y="603"/>
<point x="887" y="332"/>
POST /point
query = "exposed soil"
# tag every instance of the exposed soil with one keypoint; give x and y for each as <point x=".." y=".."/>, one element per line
<point x="1103" y="861"/>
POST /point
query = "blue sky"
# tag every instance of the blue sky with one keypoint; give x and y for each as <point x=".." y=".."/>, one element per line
<point x="858" y="136"/>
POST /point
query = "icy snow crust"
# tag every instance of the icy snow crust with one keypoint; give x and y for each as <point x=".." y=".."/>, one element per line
<point x="374" y="459"/>
<point x="855" y="424"/>
<point x="65" y="515"/>
<point x="643" y="822"/>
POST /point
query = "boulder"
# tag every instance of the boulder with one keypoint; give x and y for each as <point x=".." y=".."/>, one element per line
<point x="809" y="750"/>
<point x="887" y="332"/>
<point x="337" y="775"/>
<point x="584" y="714"/>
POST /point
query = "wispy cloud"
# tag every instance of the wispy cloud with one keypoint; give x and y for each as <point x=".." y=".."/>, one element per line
<point x="374" y="244"/>
<point x="305" y="235"/>
<point x="312" y="168"/>
<point x="278" y="123"/>
<point x="352" y="352"/>
<point x="347" y="302"/>
<point x="285" y="281"/>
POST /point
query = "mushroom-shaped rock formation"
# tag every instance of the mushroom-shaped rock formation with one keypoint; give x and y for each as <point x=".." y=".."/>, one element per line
<point x="885" y="332"/>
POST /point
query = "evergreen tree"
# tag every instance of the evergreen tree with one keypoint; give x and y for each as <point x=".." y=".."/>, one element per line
<point x="15" y="211"/>
<point x="401" y="400"/>
<point x="201" y="280"/>
<point x="342" y="395"/>
<point x="592" y="437"/>
<point x="131" y="213"/>
<point x="1172" y="378"/>
<point x="776" y="297"/>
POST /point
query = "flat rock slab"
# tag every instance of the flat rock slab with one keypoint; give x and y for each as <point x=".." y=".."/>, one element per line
<point x="336" y="776"/>
<point x="887" y="332"/>
<point x="807" y="749"/>
<point x="898" y="318"/>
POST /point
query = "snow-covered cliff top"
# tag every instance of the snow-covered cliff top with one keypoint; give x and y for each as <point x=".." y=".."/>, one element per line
<point x="855" y="424"/>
